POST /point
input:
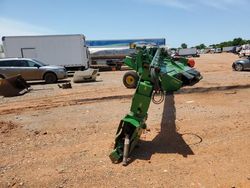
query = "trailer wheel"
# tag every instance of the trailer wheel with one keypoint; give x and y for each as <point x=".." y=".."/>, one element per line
<point x="50" y="78"/>
<point x="130" y="79"/>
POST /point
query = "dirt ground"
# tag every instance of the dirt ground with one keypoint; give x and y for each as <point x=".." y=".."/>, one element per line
<point x="199" y="137"/>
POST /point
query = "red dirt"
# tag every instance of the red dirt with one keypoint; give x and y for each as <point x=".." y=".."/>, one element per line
<point x="197" y="138"/>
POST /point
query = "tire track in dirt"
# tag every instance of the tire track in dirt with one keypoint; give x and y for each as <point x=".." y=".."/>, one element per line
<point x="77" y="99"/>
<point x="19" y="107"/>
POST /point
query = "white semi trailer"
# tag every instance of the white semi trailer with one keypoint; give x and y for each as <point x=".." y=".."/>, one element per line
<point x="188" y="52"/>
<point x="69" y="51"/>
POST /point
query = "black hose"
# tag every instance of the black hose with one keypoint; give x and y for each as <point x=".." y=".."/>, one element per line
<point x="161" y="93"/>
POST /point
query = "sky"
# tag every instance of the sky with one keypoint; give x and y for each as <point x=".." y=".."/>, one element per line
<point x="179" y="21"/>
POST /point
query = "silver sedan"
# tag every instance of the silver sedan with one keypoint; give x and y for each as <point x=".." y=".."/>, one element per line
<point x="31" y="69"/>
<point x="242" y="64"/>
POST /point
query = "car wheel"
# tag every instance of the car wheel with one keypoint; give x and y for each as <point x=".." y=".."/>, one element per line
<point x="1" y="77"/>
<point x="50" y="78"/>
<point x="130" y="79"/>
<point x="238" y="67"/>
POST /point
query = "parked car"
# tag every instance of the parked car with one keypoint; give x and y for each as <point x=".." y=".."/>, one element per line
<point x="31" y="69"/>
<point x="242" y="64"/>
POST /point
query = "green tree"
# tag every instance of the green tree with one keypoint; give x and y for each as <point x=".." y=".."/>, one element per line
<point x="213" y="46"/>
<point x="237" y="41"/>
<point x="201" y="46"/>
<point x="184" y="45"/>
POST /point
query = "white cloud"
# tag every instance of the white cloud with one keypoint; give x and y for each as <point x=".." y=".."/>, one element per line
<point x="10" y="27"/>
<point x="224" y="4"/>
<point x="171" y="3"/>
<point x="187" y="4"/>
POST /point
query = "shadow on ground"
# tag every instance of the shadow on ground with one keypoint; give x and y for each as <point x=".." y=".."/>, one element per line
<point x="168" y="140"/>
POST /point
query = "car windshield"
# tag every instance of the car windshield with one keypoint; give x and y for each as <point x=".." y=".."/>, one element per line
<point x="39" y="62"/>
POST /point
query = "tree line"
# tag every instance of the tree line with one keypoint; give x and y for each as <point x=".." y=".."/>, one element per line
<point x="235" y="42"/>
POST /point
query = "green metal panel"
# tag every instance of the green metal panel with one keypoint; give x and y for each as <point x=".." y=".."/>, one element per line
<point x="129" y="62"/>
<point x="140" y="105"/>
<point x="132" y="121"/>
<point x="169" y="83"/>
<point x="145" y="88"/>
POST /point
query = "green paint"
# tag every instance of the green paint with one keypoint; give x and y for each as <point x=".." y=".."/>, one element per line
<point x="153" y="66"/>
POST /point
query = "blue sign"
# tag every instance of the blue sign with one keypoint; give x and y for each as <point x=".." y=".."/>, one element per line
<point x="117" y="43"/>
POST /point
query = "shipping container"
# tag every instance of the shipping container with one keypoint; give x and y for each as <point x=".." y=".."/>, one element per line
<point x="69" y="51"/>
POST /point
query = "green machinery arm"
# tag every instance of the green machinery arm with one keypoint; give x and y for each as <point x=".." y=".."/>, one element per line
<point x="158" y="73"/>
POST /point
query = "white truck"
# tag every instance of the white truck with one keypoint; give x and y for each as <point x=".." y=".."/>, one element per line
<point x="188" y="52"/>
<point x="1" y="51"/>
<point x="244" y="50"/>
<point x="69" y="51"/>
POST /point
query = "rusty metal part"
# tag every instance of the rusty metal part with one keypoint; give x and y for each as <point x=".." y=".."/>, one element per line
<point x="13" y="86"/>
